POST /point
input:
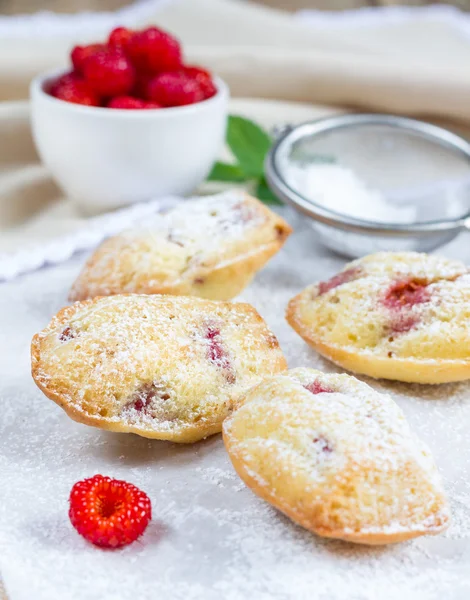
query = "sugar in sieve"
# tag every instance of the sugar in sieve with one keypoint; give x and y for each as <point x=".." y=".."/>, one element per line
<point x="374" y="182"/>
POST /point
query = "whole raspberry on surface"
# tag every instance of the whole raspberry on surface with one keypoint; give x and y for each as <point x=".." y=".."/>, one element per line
<point x="109" y="73"/>
<point x="154" y="51"/>
<point x="129" y="103"/>
<point x="76" y="91"/>
<point x="109" y="512"/>
<point x="119" y="38"/>
<point x="80" y="53"/>
<point x="174" y="89"/>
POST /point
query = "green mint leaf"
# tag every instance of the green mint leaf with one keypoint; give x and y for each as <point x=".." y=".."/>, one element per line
<point x="225" y="172"/>
<point x="264" y="193"/>
<point x="249" y="144"/>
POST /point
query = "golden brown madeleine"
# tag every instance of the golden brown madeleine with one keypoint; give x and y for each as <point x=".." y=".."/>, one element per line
<point x="399" y="316"/>
<point x="163" y="367"/>
<point x="210" y="247"/>
<point x="337" y="457"/>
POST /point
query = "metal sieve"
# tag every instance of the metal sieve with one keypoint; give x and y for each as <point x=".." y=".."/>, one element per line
<point x="409" y="162"/>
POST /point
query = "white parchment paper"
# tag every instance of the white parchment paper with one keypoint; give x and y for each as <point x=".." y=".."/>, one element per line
<point x="210" y="536"/>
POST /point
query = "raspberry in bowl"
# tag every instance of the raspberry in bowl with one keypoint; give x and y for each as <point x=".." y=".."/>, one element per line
<point x="129" y="121"/>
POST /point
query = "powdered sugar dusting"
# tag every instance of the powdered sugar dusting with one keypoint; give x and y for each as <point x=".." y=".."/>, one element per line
<point x="346" y="447"/>
<point x="217" y="476"/>
<point x="153" y="364"/>
<point x="391" y="305"/>
<point x="175" y="252"/>
<point x="202" y="225"/>
<point x="211" y="541"/>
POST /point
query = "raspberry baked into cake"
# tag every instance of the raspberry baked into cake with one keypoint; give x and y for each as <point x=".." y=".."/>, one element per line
<point x="163" y="367"/>
<point x="210" y="247"/>
<point x="337" y="457"/>
<point x="402" y="316"/>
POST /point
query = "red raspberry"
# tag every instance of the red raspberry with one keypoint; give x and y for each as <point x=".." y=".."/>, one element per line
<point x="149" y="105"/>
<point x="129" y="102"/>
<point x="339" y="279"/>
<point x="318" y="388"/>
<point x="154" y="51"/>
<point x="109" y="73"/>
<point x="67" y="334"/>
<point x="321" y="444"/>
<point x="217" y="353"/>
<point x="70" y="77"/>
<point x="174" y="89"/>
<point x="119" y="38"/>
<point x="126" y="102"/>
<point x="140" y="89"/>
<point x="197" y="73"/>
<point x="203" y="78"/>
<point x="80" y="53"/>
<point x="208" y="88"/>
<point x="109" y="512"/>
<point x="77" y="92"/>
<point x="407" y="293"/>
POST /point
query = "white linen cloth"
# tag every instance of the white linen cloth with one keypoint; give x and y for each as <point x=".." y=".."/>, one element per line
<point x="416" y="65"/>
<point x="210" y="536"/>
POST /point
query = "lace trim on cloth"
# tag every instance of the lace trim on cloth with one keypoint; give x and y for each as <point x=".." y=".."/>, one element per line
<point x="87" y="237"/>
<point x="376" y="16"/>
<point x="45" y="24"/>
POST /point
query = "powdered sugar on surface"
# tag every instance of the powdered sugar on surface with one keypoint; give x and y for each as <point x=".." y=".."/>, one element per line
<point x="210" y="537"/>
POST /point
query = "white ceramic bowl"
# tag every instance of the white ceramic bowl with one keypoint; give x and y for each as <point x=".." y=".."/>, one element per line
<point x="105" y="158"/>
